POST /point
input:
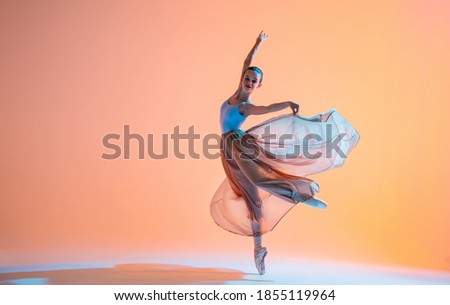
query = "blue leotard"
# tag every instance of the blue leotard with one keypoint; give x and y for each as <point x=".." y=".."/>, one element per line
<point x="230" y="117"/>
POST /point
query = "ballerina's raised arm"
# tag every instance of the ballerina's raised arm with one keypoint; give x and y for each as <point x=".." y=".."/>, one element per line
<point x="248" y="60"/>
<point x="251" y="78"/>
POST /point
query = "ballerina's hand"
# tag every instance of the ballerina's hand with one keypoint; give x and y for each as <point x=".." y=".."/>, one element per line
<point x="262" y="36"/>
<point x="294" y="107"/>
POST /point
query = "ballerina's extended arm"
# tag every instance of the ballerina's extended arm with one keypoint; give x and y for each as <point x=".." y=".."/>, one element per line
<point x="249" y="109"/>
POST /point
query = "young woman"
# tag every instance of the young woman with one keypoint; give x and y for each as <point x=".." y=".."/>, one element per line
<point x="266" y="175"/>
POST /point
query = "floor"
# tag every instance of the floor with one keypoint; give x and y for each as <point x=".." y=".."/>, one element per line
<point x="193" y="269"/>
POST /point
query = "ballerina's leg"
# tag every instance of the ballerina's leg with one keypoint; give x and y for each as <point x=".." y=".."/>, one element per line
<point x="254" y="164"/>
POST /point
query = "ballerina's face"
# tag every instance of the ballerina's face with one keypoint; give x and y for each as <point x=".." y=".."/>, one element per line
<point x="250" y="81"/>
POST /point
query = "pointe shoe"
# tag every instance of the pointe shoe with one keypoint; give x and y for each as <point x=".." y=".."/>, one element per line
<point x="316" y="203"/>
<point x="259" y="260"/>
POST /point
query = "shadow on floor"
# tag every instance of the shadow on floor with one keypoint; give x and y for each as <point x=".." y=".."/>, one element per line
<point x="127" y="274"/>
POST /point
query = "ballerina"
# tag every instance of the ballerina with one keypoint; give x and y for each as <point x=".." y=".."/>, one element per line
<point x="261" y="187"/>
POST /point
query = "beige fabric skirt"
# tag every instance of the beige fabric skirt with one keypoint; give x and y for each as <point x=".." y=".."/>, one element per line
<point x="266" y="168"/>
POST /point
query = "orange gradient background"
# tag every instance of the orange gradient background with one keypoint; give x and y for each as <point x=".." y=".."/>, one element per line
<point x="74" y="71"/>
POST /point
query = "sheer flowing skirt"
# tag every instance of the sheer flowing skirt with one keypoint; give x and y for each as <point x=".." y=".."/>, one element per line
<point x="266" y="168"/>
